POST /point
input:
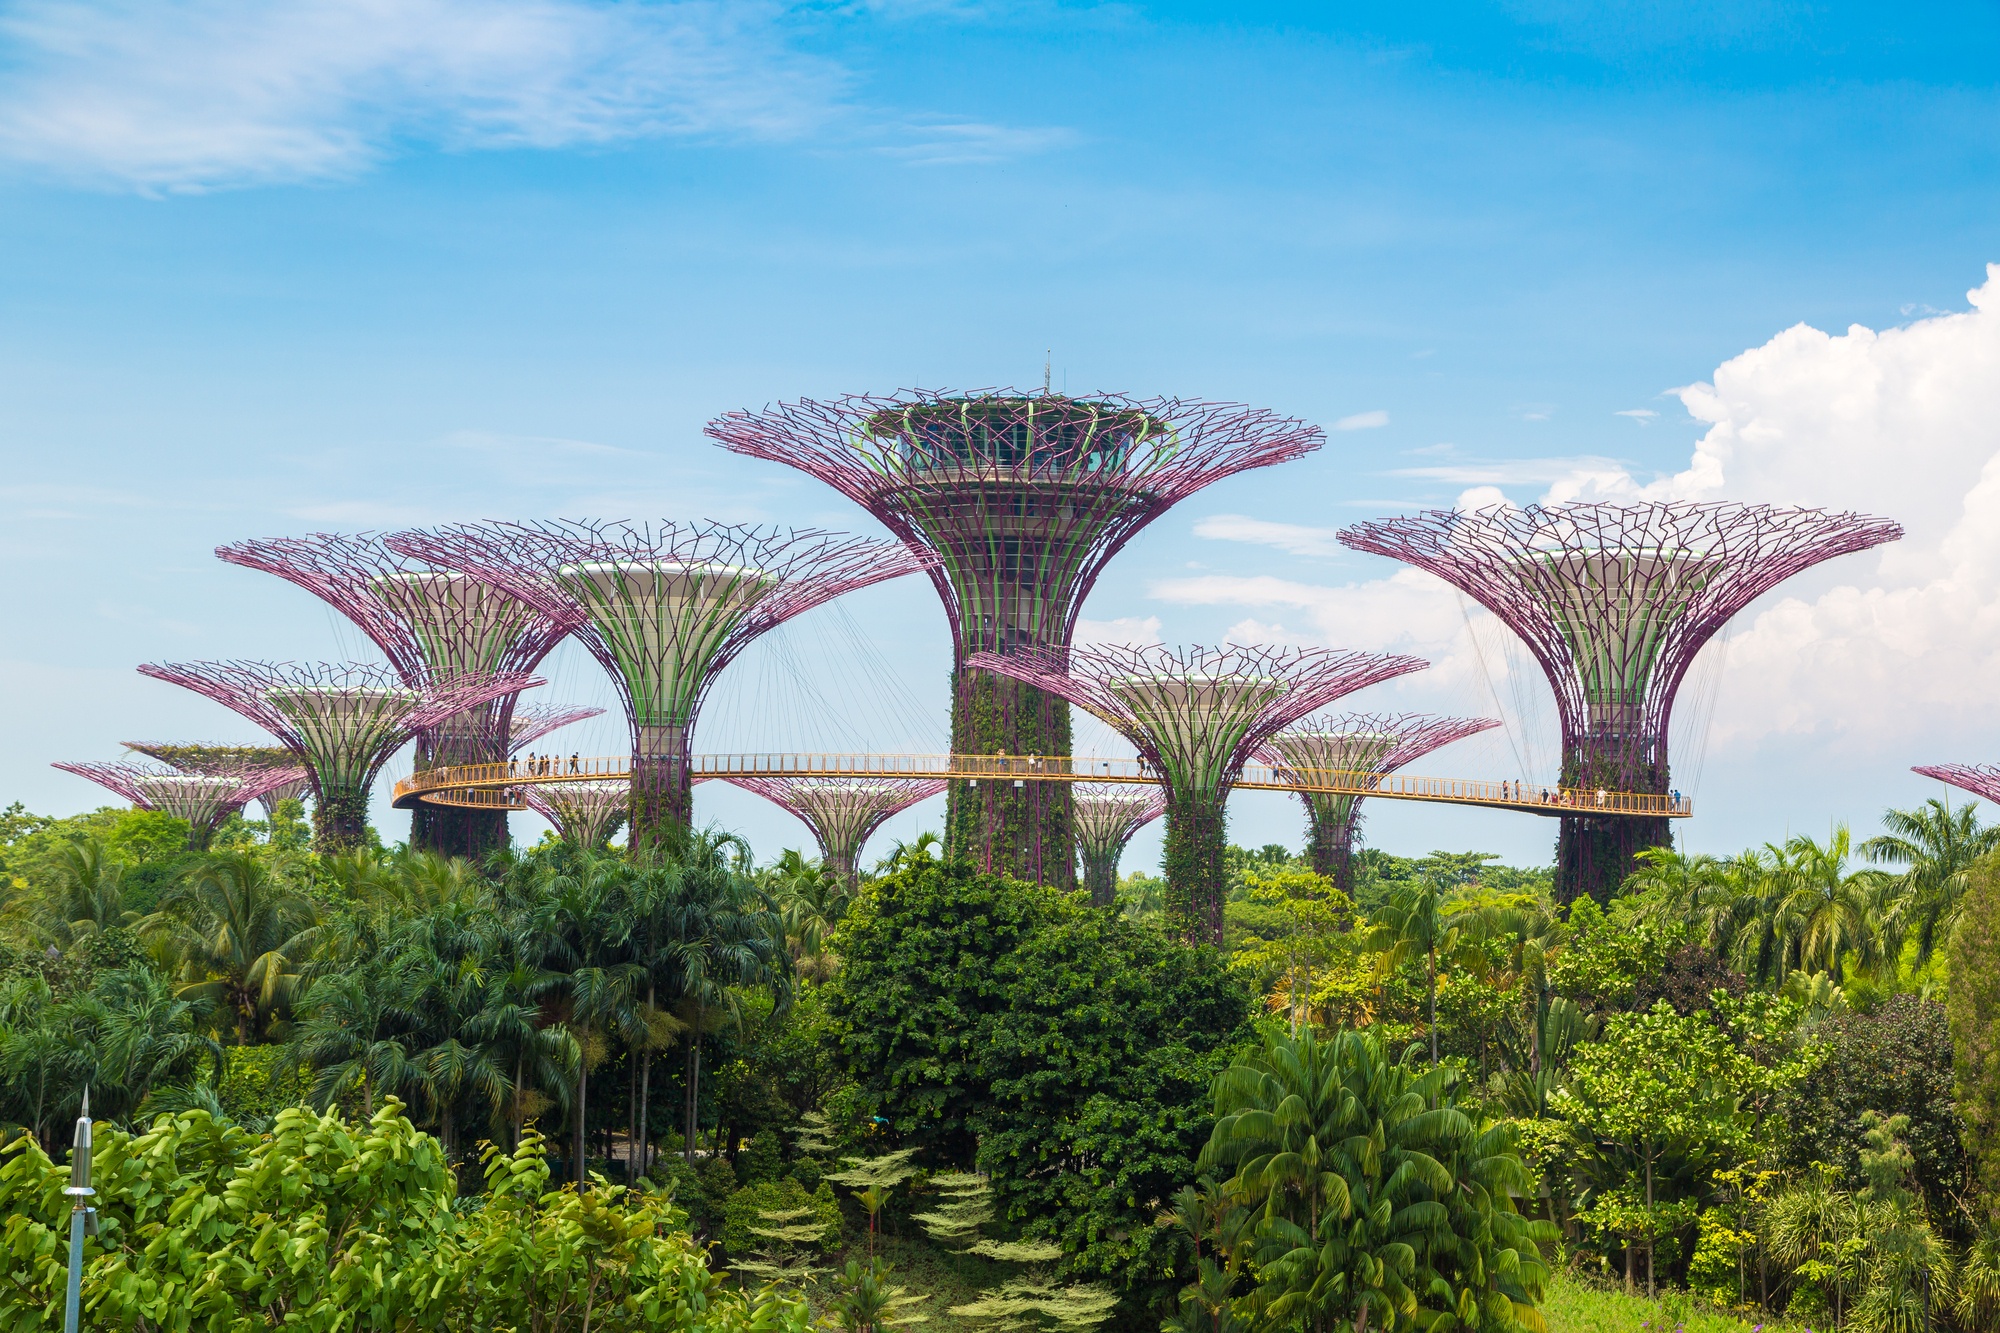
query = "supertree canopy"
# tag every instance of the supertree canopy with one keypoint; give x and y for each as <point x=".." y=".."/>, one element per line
<point x="343" y="720"/>
<point x="225" y="759"/>
<point x="1107" y="814"/>
<point x="664" y="607"/>
<point x="1354" y="748"/>
<point x="1196" y="717"/>
<point x="1021" y="498"/>
<point x="584" y="813"/>
<point x="435" y="626"/>
<point x="842" y="812"/>
<point x="1614" y="601"/>
<point x="202" y="799"/>
<point x="1979" y="779"/>
<point x="530" y="722"/>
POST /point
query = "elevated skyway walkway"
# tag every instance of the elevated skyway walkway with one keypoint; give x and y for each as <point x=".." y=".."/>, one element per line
<point x="488" y="785"/>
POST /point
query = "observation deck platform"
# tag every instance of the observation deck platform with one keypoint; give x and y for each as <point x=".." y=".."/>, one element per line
<point x="487" y="785"/>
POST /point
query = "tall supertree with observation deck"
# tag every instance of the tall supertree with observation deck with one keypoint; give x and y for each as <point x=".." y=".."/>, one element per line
<point x="1019" y="499"/>
<point x="204" y="800"/>
<point x="435" y="626"/>
<point x="664" y="607"/>
<point x="1353" y="748"/>
<point x="842" y="812"/>
<point x="1107" y="814"/>
<point x="193" y="757"/>
<point x="1615" y="601"/>
<point x="1196" y="717"/>
<point x="343" y="720"/>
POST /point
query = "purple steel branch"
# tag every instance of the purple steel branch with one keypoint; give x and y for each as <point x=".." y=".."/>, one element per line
<point x="1979" y="779"/>
<point x="1106" y="815"/>
<point x="203" y="799"/>
<point x="531" y="722"/>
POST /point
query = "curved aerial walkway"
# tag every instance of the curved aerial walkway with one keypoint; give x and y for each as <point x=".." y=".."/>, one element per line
<point x="488" y="785"/>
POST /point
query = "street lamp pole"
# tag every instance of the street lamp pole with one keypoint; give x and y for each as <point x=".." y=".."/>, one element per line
<point x="82" y="1217"/>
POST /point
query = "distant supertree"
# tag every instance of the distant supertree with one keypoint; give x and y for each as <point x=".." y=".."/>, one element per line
<point x="343" y="720"/>
<point x="435" y="626"/>
<point x="196" y="758"/>
<point x="1353" y="747"/>
<point x="1979" y="779"/>
<point x="1107" y="815"/>
<point x="1196" y="717"/>
<point x="1020" y="499"/>
<point x="842" y="812"/>
<point x="204" y="800"/>
<point x="531" y="722"/>
<point x="1614" y="601"/>
<point x="585" y="813"/>
<point x="663" y="607"/>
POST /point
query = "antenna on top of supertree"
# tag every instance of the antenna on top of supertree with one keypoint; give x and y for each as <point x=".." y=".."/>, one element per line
<point x="1614" y="601"/>
<point x="1021" y="499"/>
<point x="1979" y="779"/>
<point x="587" y="814"/>
<point x="435" y="626"/>
<point x="663" y="607"/>
<point x="1353" y="748"/>
<point x="842" y="812"/>
<point x="1107" y="814"/>
<point x="1196" y="717"/>
<point x="342" y="719"/>
<point x="225" y="759"/>
<point x="204" y="800"/>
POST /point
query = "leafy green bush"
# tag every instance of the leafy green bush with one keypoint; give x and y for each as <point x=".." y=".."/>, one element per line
<point x="257" y="1083"/>
<point x="746" y="1209"/>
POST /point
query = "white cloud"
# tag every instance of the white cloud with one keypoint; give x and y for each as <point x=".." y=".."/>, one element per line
<point x="941" y="143"/>
<point x="1512" y="471"/>
<point x="191" y="94"/>
<point x="1292" y="538"/>
<point x="1137" y="630"/>
<point x="1643" y="415"/>
<point x="1363" y="420"/>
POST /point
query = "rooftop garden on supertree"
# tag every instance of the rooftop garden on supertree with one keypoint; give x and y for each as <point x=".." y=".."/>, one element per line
<point x="663" y="607"/>
<point x="1353" y="748"/>
<point x="198" y="758"/>
<point x="204" y="800"/>
<point x="1615" y="601"/>
<point x="1021" y="499"/>
<point x="843" y="813"/>
<point x="435" y="626"/>
<point x="343" y="721"/>
<point x="1107" y="814"/>
<point x="587" y="814"/>
<point x="1197" y="716"/>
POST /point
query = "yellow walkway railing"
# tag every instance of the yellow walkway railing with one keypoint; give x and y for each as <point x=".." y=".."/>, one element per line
<point x="487" y="785"/>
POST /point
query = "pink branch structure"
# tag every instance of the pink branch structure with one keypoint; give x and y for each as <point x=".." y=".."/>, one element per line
<point x="1354" y="747"/>
<point x="343" y="720"/>
<point x="663" y="607"/>
<point x="1979" y="779"/>
<point x="1107" y="815"/>
<point x="1196" y="717"/>
<point x="584" y="813"/>
<point x="1018" y="501"/>
<point x="531" y="722"/>
<point x="1615" y="601"/>
<point x="843" y="813"/>
<point x="225" y="759"/>
<point x="204" y="800"/>
<point x="436" y="626"/>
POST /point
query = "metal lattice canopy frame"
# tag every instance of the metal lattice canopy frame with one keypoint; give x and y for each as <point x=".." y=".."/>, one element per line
<point x="202" y="799"/>
<point x="663" y="607"/>
<point x="584" y="813"/>
<point x="1107" y="814"/>
<point x="1371" y="744"/>
<point x="531" y="722"/>
<point x="344" y="720"/>
<point x="199" y="758"/>
<point x="843" y="813"/>
<point x="1197" y="716"/>
<point x="1979" y="779"/>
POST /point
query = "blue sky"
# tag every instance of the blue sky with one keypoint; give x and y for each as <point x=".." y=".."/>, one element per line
<point x="275" y="268"/>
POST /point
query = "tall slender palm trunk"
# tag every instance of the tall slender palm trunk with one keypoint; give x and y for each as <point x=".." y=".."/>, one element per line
<point x="577" y="1163"/>
<point x="693" y="1092"/>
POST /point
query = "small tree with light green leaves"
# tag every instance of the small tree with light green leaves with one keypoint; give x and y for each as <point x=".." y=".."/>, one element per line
<point x="1034" y="1300"/>
<point x="873" y="1179"/>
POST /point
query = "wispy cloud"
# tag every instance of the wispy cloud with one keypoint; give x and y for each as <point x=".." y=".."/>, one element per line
<point x="1123" y="629"/>
<point x="941" y="143"/>
<point x="1363" y="420"/>
<point x="1291" y="538"/>
<point x="1508" y="471"/>
<point x="1643" y="415"/>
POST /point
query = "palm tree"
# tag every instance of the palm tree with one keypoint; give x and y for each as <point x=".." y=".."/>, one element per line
<point x="1711" y="896"/>
<point x="1415" y="922"/>
<point x="88" y="897"/>
<point x="1815" y="913"/>
<point x="146" y="1035"/>
<point x="1936" y="845"/>
<point x="355" y="1032"/>
<point x="241" y="934"/>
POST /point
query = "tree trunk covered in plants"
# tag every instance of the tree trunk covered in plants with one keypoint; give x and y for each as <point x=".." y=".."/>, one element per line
<point x="1594" y="853"/>
<point x="454" y="830"/>
<point x="662" y="804"/>
<point x="1194" y="864"/>
<point x="1023" y="831"/>
<point x="1331" y="823"/>
<point x="1100" y="876"/>
<point x="340" y="820"/>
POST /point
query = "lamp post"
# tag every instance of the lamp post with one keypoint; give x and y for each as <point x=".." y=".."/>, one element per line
<point x="82" y="1217"/>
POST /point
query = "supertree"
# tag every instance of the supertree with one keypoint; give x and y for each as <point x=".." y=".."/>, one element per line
<point x="1107" y="814"/>
<point x="531" y="722"/>
<point x="1020" y="499"/>
<point x="204" y="800"/>
<point x="1355" y="747"/>
<point x="842" y="812"/>
<point x="1614" y="601"/>
<point x="1979" y="779"/>
<point x="197" y="758"/>
<point x="435" y="626"/>
<point x="1196" y="717"/>
<point x="584" y="813"/>
<point x="343" y="720"/>
<point x="663" y="607"/>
